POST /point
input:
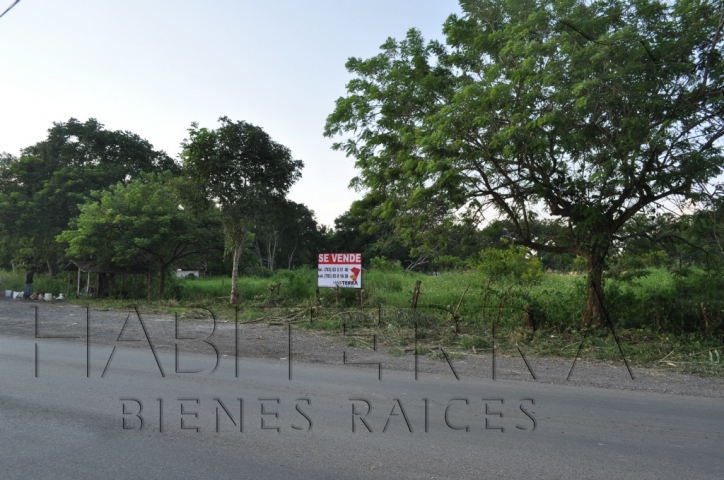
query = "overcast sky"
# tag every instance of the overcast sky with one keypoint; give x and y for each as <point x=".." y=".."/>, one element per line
<point x="155" y="66"/>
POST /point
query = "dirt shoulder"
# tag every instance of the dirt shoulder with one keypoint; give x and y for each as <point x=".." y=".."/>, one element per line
<point x="258" y="340"/>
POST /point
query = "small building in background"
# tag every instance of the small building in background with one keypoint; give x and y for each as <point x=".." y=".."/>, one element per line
<point x="187" y="272"/>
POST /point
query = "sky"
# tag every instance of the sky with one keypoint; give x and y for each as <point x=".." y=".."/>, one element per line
<point x="154" y="66"/>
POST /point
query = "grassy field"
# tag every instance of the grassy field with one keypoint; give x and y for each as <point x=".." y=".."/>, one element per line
<point x="660" y="318"/>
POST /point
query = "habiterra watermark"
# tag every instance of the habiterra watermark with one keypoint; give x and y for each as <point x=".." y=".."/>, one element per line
<point x="135" y="316"/>
<point x="363" y="415"/>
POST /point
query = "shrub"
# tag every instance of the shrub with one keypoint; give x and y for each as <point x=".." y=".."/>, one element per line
<point x="13" y="280"/>
<point x="302" y="283"/>
<point x="580" y="264"/>
<point x="557" y="302"/>
<point x="448" y="262"/>
<point x="516" y="263"/>
<point x="382" y="264"/>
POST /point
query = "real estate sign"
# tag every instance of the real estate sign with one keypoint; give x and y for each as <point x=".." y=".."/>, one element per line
<point x="339" y="269"/>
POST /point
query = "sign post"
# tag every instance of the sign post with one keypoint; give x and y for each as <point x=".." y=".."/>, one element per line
<point x="339" y="270"/>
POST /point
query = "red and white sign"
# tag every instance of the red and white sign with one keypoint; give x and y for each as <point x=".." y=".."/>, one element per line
<point x="339" y="269"/>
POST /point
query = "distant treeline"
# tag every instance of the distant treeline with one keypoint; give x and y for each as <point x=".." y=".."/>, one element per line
<point x="109" y="199"/>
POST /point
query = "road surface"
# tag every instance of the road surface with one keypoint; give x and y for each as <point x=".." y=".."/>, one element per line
<point x="70" y="412"/>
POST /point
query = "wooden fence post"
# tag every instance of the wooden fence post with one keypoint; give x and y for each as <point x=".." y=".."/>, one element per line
<point x="416" y="293"/>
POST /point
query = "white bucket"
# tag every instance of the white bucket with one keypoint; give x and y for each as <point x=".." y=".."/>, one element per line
<point x="48" y="297"/>
<point x="18" y="294"/>
<point x="8" y="293"/>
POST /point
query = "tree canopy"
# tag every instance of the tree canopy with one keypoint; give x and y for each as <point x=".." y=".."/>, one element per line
<point x="142" y="226"/>
<point x="587" y="113"/>
<point x="239" y="168"/>
<point x="42" y="190"/>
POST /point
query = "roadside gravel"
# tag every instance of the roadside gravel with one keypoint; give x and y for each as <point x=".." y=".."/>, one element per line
<point x="257" y="340"/>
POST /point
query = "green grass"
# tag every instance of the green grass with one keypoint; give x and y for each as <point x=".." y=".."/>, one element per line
<point x="661" y="319"/>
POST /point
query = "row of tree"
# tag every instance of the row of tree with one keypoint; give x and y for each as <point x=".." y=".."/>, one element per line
<point x="109" y="200"/>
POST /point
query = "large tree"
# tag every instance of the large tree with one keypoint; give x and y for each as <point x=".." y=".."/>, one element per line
<point x="42" y="190"/>
<point x="586" y="112"/>
<point x="239" y="168"/>
<point x="141" y="225"/>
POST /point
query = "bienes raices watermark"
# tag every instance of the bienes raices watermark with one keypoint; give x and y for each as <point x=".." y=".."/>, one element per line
<point x="274" y="414"/>
<point x="361" y="415"/>
<point x="210" y="346"/>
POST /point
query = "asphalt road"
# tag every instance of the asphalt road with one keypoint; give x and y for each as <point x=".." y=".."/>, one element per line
<point x="64" y="417"/>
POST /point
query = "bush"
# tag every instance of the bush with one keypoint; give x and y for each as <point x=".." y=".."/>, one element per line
<point x="302" y="283"/>
<point x="42" y="283"/>
<point x="448" y="262"/>
<point x="515" y="263"/>
<point x="631" y="262"/>
<point x="13" y="281"/>
<point x="557" y="301"/>
<point x="580" y="264"/>
<point x="381" y="264"/>
<point x="55" y="285"/>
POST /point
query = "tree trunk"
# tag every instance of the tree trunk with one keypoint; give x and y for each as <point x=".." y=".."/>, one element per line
<point x="594" y="302"/>
<point x="102" y="284"/>
<point x="162" y="282"/>
<point x="235" y="294"/>
<point x="149" y="286"/>
<point x="258" y="254"/>
<point x="270" y="254"/>
<point x="291" y="257"/>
